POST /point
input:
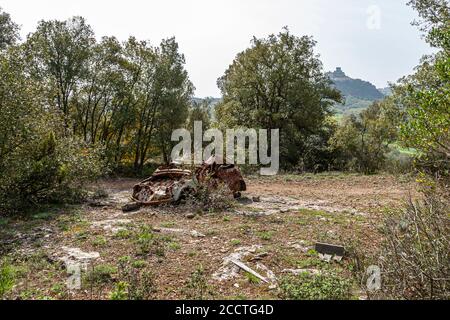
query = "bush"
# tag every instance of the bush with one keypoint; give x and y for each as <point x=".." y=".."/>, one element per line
<point x="212" y="199"/>
<point x="398" y="162"/>
<point x="49" y="171"/>
<point x="197" y="287"/>
<point x="120" y="291"/>
<point x="306" y="286"/>
<point x="101" y="274"/>
<point x="40" y="159"/>
<point x="135" y="282"/>
<point x="415" y="253"/>
<point x="7" y="278"/>
<point x="362" y="142"/>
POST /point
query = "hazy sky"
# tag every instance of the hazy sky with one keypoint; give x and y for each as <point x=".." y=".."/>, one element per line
<point x="369" y="39"/>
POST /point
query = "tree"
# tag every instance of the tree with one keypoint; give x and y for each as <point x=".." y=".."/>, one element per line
<point x="415" y="249"/>
<point x="9" y="31"/>
<point x="94" y="99"/>
<point x="175" y="94"/>
<point x="147" y="97"/>
<point x="37" y="163"/>
<point x="199" y="111"/>
<point x="435" y="21"/>
<point x="363" y="140"/>
<point x="20" y="106"/>
<point x="59" y="53"/>
<point x="278" y="83"/>
<point x="425" y="96"/>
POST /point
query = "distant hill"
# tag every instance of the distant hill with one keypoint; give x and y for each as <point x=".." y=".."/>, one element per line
<point x="359" y="94"/>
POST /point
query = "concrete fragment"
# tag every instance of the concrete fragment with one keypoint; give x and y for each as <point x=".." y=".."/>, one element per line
<point x="229" y="270"/>
<point x="244" y="267"/>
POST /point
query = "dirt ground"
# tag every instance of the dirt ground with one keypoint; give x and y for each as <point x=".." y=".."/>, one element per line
<point x="187" y="251"/>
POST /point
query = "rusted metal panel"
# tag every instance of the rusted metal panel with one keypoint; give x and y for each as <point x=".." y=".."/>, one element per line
<point x="214" y="173"/>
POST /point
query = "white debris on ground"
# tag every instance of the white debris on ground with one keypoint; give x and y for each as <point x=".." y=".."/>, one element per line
<point x="193" y="233"/>
<point x="75" y="256"/>
<point x="297" y="272"/>
<point x="75" y="261"/>
<point x="112" y="225"/>
<point x="230" y="270"/>
<point x="328" y="257"/>
<point x="270" y="276"/>
<point x="121" y="197"/>
<point x="300" y="245"/>
<point x="266" y="206"/>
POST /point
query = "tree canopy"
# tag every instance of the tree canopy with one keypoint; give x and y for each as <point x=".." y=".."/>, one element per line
<point x="278" y="83"/>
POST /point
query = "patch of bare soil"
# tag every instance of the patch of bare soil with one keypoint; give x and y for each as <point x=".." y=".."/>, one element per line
<point x="242" y="252"/>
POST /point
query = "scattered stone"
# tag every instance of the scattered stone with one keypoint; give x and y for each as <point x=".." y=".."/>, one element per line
<point x="244" y="267"/>
<point x="264" y="206"/>
<point x="132" y="206"/>
<point x="325" y="257"/>
<point x="190" y="216"/>
<point x="244" y="200"/>
<point x="270" y="276"/>
<point x="113" y="225"/>
<point x="300" y="245"/>
<point x="99" y="204"/>
<point x="193" y="233"/>
<point x="260" y="256"/>
<point x="297" y="272"/>
<point x="197" y="234"/>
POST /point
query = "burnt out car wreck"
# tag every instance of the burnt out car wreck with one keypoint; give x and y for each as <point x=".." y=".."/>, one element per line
<point x="171" y="184"/>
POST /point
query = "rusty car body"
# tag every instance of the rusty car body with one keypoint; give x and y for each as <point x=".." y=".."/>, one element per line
<point x="171" y="183"/>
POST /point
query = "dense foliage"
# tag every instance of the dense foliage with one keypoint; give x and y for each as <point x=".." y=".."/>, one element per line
<point x="278" y="83"/>
<point x="72" y="107"/>
<point x="423" y="99"/>
<point x="362" y="141"/>
<point x="415" y="251"/>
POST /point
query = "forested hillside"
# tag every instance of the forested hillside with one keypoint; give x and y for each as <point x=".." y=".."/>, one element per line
<point x="358" y="94"/>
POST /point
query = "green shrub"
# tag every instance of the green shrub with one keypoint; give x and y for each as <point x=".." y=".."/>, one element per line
<point x="265" y="235"/>
<point x="100" y="274"/>
<point x="362" y="141"/>
<point x="51" y="171"/>
<point x="7" y="278"/>
<point x="252" y="278"/>
<point x="120" y="291"/>
<point x="197" y="287"/>
<point x="135" y="283"/>
<point x="306" y="286"/>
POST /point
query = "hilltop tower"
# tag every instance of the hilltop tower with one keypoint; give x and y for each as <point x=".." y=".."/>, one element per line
<point x="339" y="73"/>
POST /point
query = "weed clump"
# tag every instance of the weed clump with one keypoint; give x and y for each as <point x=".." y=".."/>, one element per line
<point x="305" y="286"/>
